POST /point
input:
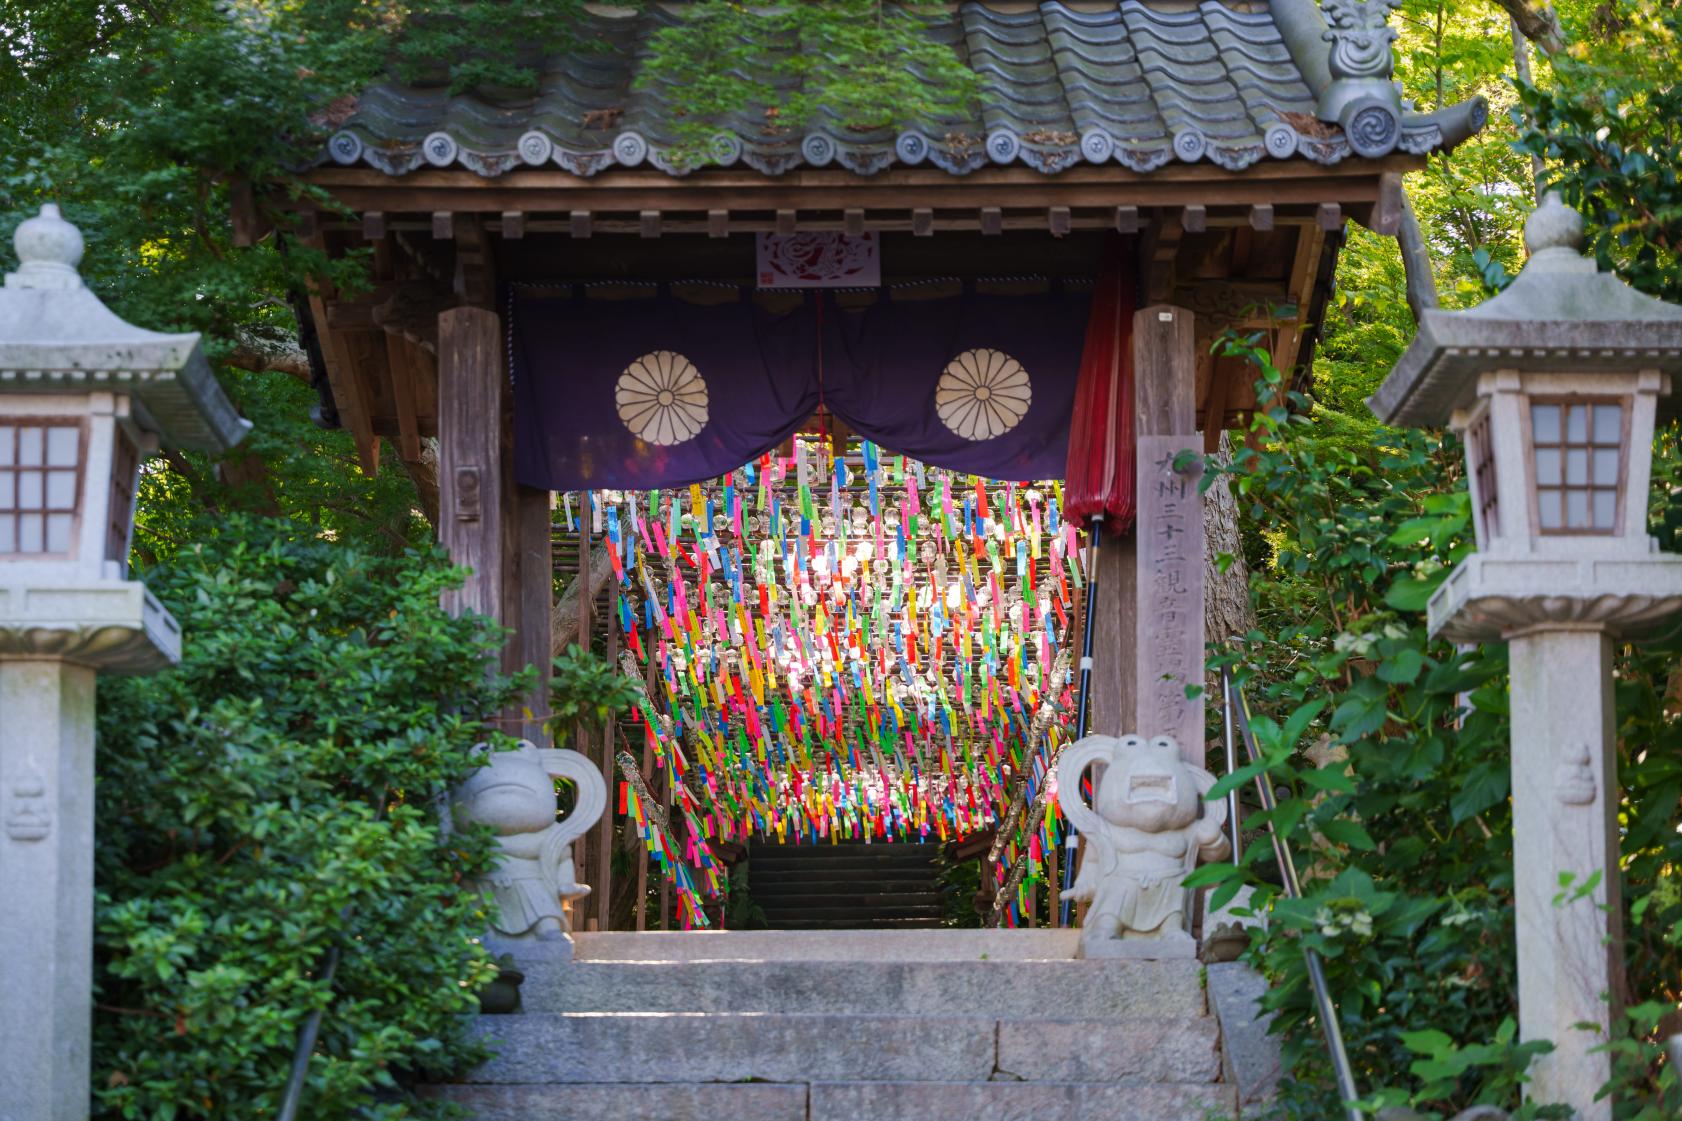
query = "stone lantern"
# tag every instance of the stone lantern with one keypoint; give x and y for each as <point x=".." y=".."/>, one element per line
<point x="84" y="398"/>
<point x="1554" y="386"/>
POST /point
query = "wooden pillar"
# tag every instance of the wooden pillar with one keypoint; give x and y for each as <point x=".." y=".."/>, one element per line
<point x="470" y="489"/>
<point x="603" y="883"/>
<point x="530" y="604"/>
<point x="1169" y="540"/>
<point x="1113" y="669"/>
<point x="585" y="848"/>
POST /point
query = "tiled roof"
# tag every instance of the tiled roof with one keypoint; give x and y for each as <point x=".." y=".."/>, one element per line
<point x="1140" y="84"/>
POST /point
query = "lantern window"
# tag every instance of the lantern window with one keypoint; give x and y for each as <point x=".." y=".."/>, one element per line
<point x="1483" y="477"/>
<point x="40" y="476"/>
<point x="1578" y="447"/>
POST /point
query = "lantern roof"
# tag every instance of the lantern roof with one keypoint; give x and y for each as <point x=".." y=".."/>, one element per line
<point x="56" y="336"/>
<point x="1561" y="313"/>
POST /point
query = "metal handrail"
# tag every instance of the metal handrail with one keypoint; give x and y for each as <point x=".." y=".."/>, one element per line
<point x="1236" y="711"/>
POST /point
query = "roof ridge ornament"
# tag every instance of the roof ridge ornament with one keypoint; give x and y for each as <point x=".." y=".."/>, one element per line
<point x="1360" y="35"/>
<point x="1361" y="97"/>
<point x="48" y="249"/>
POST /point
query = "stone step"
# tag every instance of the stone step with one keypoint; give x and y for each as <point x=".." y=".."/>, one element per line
<point x="828" y="1101"/>
<point x="856" y="894"/>
<point x="762" y="879"/>
<point x="853" y="922"/>
<point x="854" y="861"/>
<point x="1096" y="990"/>
<point x="559" y="1048"/>
<point x="853" y="945"/>
<point x="845" y="908"/>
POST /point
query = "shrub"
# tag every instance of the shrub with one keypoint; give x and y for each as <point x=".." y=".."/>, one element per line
<point x="1397" y="749"/>
<point x="277" y="795"/>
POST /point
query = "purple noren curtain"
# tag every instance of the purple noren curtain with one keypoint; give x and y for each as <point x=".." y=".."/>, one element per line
<point x="660" y="392"/>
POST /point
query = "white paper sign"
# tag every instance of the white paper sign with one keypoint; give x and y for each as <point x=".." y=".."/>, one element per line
<point x="819" y="260"/>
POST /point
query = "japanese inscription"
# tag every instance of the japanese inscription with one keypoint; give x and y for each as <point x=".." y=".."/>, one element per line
<point x="1169" y="626"/>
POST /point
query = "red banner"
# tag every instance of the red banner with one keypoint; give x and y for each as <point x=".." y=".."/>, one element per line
<point x="1099" y="480"/>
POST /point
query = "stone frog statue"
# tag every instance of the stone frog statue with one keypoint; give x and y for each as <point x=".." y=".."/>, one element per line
<point x="514" y="794"/>
<point x="1147" y="828"/>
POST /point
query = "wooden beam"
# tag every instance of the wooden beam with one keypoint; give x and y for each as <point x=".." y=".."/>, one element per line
<point x="631" y="190"/>
<point x="513" y="224"/>
<point x="1329" y="216"/>
<point x="305" y="226"/>
<point x="852" y="222"/>
<point x="405" y="376"/>
<point x="1057" y="221"/>
<point x="1127" y="220"/>
<point x="1160" y="253"/>
<point x="1385" y="216"/>
<point x="373" y="225"/>
<point x="347" y="391"/>
<point x="475" y="266"/>
<point x="922" y="222"/>
<point x="1223" y="378"/>
<point x="1114" y="685"/>
<point x="1168" y="616"/>
<point x="578" y="222"/>
<point x="992" y="221"/>
<point x="532" y="611"/>
<point x="718" y="223"/>
<point x="602" y="885"/>
<point x="249" y="225"/>
<point x="443" y="225"/>
<point x="470" y="386"/>
<point x="1261" y="217"/>
<point x="1305" y="265"/>
<point x="786" y="223"/>
<point x="648" y="224"/>
<point x="1195" y="218"/>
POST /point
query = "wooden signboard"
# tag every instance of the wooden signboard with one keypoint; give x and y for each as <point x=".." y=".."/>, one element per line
<point x="1168" y="629"/>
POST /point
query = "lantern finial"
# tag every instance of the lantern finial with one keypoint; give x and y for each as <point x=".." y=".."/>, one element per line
<point x="1553" y="230"/>
<point x="48" y="249"/>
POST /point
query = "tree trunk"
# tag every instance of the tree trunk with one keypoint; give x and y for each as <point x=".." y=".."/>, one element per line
<point x="564" y="627"/>
<point x="1539" y="23"/>
<point x="423" y="472"/>
<point x="1227" y="610"/>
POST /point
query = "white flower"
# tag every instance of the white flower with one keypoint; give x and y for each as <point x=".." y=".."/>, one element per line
<point x="982" y="394"/>
<point x="662" y="398"/>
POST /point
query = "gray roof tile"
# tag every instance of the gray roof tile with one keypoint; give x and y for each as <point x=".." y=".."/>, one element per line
<point x="1129" y="82"/>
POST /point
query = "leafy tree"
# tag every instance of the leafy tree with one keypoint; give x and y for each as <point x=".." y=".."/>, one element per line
<point x="273" y="801"/>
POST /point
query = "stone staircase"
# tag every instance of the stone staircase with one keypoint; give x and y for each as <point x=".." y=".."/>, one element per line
<point x="956" y="1025"/>
<point x="848" y="886"/>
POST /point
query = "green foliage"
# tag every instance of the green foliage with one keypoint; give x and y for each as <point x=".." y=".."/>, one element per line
<point x="848" y="64"/>
<point x="1610" y="127"/>
<point x="1396" y="749"/>
<point x="587" y="688"/>
<point x="271" y="798"/>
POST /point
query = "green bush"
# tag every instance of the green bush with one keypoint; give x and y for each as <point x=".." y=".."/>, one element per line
<point x="277" y="795"/>
<point x="1396" y="748"/>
